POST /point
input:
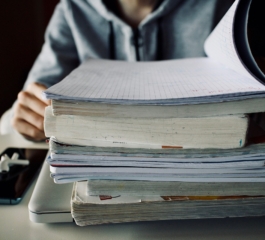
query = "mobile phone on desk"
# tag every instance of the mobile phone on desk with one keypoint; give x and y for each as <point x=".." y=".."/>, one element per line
<point x="15" y="178"/>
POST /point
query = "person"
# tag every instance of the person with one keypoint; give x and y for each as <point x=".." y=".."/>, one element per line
<point x="130" y="30"/>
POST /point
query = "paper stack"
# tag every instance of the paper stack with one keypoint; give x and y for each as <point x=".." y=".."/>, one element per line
<point x="75" y="163"/>
<point x="162" y="140"/>
<point x="89" y="210"/>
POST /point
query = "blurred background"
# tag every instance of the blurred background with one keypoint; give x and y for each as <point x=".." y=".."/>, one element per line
<point x="22" y="25"/>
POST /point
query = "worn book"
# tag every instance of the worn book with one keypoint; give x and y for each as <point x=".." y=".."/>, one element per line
<point x="150" y="188"/>
<point x="91" y="210"/>
<point x="71" y="163"/>
<point x="252" y="156"/>
<point x="182" y="170"/>
<point x="208" y="132"/>
<point x="254" y="150"/>
<point x="92" y="109"/>
<point x="160" y="174"/>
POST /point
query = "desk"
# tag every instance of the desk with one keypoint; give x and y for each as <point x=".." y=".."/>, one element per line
<point x="15" y="224"/>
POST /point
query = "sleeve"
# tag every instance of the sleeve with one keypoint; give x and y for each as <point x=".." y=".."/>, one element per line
<point x="59" y="55"/>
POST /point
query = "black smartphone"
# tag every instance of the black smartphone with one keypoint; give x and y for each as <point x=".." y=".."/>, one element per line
<point x="15" y="182"/>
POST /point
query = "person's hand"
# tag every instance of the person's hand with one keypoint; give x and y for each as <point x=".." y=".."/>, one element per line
<point x="29" y="112"/>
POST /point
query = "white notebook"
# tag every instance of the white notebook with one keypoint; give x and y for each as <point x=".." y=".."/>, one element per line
<point x="223" y="76"/>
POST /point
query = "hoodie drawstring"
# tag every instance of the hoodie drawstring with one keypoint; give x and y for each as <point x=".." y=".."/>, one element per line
<point x="136" y="35"/>
<point x="159" y="41"/>
<point x="112" y="52"/>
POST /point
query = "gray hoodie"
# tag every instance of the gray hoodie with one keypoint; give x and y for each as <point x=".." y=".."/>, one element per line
<point x="82" y="29"/>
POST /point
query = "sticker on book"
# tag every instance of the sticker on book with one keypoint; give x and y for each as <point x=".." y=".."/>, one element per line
<point x="107" y="197"/>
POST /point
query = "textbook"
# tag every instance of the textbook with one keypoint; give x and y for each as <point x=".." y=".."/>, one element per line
<point x="229" y="74"/>
<point x="160" y="174"/>
<point x="223" y="167"/>
<point x="162" y="188"/>
<point x="208" y="132"/>
<point x="92" y="109"/>
<point x="255" y="150"/>
<point x="71" y="163"/>
<point x="91" y="210"/>
<point x="251" y="156"/>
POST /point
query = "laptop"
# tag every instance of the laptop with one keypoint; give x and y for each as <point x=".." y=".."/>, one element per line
<point x="50" y="202"/>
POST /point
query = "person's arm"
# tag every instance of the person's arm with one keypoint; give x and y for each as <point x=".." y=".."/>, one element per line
<point x="28" y="112"/>
<point x="57" y="59"/>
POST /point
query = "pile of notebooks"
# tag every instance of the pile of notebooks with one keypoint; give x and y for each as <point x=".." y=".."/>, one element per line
<point x="161" y="140"/>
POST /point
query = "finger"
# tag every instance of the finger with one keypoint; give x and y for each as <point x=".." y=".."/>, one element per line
<point x="37" y="90"/>
<point x="27" y="130"/>
<point x="29" y="116"/>
<point x="30" y="101"/>
<point x="32" y="139"/>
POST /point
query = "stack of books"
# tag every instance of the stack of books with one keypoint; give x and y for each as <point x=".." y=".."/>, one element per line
<point x="75" y="163"/>
<point x="162" y="140"/>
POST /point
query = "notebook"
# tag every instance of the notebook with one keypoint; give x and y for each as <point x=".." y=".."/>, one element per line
<point x="229" y="73"/>
<point x="50" y="202"/>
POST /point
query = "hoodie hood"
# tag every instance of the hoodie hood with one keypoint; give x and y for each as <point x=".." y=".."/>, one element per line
<point x="164" y="8"/>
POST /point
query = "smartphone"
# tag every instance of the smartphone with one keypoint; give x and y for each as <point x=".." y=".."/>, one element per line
<point x="15" y="182"/>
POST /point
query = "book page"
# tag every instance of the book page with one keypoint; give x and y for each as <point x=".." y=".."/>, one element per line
<point x="182" y="81"/>
<point x="250" y="152"/>
<point x="155" y="164"/>
<point x="220" y="44"/>
<point x="136" y="171"/>
<point x="69" y="178"/>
